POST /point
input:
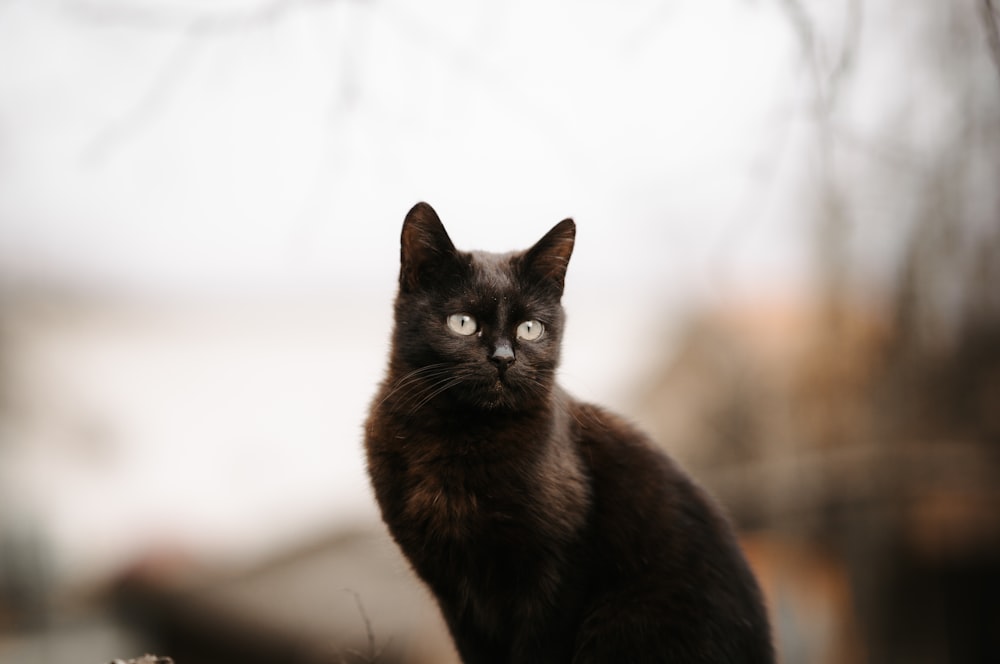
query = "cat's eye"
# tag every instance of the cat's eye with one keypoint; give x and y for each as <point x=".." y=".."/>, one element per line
<point x="530" y="330"/>
<point x="463" y="324"/>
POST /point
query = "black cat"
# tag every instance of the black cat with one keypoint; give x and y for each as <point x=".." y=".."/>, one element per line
<point x="548" y="529"/>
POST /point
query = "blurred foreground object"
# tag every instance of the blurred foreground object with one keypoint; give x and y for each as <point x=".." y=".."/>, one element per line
<point x="348" y="598"/>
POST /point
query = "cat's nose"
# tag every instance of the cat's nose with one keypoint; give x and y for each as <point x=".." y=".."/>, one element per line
<point x="503" y="355"/>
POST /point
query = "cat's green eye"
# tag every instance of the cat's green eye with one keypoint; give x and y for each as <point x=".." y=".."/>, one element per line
<point x="463" y="324"/>
<point x="530" y="330"/>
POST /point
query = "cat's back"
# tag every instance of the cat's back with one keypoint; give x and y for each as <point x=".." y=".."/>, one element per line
<point x="641" y="499"/>
<point x="663" y="560"/>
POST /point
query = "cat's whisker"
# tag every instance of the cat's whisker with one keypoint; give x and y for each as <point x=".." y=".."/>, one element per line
<point x="419" y="396"/>
<point x="444" y="387"/>
<point x="431" y="371"/>
<point x="419" y="373"/>
<point x="426" y="391"/>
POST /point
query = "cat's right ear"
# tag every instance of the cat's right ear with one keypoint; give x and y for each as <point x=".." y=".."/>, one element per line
<point x="425" y="248"/>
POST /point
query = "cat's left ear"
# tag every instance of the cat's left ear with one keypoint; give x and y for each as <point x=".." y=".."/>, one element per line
<point x="548" y="259"/>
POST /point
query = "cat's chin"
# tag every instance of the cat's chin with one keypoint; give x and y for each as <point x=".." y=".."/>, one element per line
<point x="490" y="395"/>
<point x="502" y="395"/>
<point x="499" y="405"/>
<point x="496" y="396"/>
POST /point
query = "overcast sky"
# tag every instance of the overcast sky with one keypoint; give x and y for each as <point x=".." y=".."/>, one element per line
<point x="153" y="145"/>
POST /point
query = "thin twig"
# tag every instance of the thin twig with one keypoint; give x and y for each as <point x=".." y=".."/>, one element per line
<point x="373" y="654"/>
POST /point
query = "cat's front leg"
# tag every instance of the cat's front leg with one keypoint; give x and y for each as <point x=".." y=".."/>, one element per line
<point x="474" y="646"/>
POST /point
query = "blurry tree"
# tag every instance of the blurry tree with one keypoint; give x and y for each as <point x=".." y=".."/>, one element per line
<point x="866" y="421"/>
<point x="924" y="546"/>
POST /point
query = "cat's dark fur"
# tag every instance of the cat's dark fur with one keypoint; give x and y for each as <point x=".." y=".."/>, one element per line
<point x="549" y="530"/>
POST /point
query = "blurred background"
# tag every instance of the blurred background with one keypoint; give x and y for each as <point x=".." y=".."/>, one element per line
<point x="787" y="270"/>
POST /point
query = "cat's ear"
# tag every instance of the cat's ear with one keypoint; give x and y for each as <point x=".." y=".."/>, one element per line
<point x="425" y="248"/>
<point x="546" y="262"/>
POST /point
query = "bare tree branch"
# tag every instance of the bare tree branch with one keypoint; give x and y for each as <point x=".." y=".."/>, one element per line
<point x="988" y="18"/>
<point x="192" y="26"/>
<point x="167" y="18"/>
<point x="803" y="26"/>
<point x="852" y="38"/>
<point x="834" y="209"/>
<point x="827" y="80"/>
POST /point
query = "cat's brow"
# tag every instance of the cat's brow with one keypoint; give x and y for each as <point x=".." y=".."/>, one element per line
<point x="494" y="277"/>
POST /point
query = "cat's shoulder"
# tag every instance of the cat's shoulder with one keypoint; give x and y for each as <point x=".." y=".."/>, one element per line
<point x="593" y="424"/>
<point x="605" y="437"/>
<point x="589" y="419"/>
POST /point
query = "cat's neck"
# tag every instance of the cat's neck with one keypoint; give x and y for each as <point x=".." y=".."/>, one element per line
<point x="457" y="427"/>
<point x="449" y="414"/>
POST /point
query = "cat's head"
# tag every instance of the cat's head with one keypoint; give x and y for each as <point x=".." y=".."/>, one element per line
<point x="474" y="328"/>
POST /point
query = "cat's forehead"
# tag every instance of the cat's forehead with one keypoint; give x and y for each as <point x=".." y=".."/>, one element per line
<point x="492" y="273"/>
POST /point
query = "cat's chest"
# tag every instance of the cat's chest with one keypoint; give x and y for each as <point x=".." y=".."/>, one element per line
<point x="442" y="509"/>
<point x="457" y="497"/>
